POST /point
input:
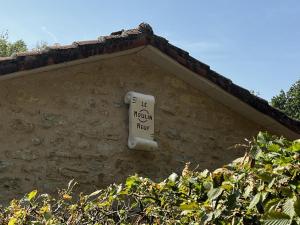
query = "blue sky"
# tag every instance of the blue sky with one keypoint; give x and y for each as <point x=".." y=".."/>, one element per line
<point x="255" y="43"/>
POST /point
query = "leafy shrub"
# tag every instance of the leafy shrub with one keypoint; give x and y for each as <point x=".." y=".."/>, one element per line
<point x="263" y="187"/>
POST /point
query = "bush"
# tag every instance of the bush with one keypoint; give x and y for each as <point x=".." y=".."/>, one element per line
<point x="263" y="187"/>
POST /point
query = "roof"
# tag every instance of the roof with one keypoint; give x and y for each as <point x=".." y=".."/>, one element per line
<point x="128" y="39"/>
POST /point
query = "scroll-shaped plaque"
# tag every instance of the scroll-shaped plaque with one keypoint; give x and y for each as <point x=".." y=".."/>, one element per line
<point x="141" y="121"/>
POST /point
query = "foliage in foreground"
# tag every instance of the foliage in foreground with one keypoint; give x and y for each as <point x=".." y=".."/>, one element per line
<point x="263" y="187"/>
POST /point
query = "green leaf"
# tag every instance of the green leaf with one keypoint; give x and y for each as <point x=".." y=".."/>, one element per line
<point x="214" y="193"/>
<point x="297" y="207"/>
<point x="274" y="147"/>
<point x="247" y="191"/>
<point x="204" y="173"/>
<point x="12" y="221"/>
<point x="70" y="184"/>
<point x="270" y="185"/>
<point x="276" y="218"/>
<point x="95" y="193"/>
<point x="31" y="195"/>
<point x="227" y="185"/>
<point x="173" y="177"/>
<point x="262" y="138"/>
<point x="189" y="206"/>
<point x="254" y="201"/>
<point x="265" y="176"/>
<point x="296" y="146"/>
<point x="264" y="195"/>
<point x="269" y="206"/>
<point x="232" y="200"/>
<point x="131" y="182"/>
<point x="288" y="207"/>
<point x="207" y="185"/>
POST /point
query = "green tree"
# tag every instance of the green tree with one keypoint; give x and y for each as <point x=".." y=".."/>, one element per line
<point x="8" y="48"/>
<point x="289" y="102"/>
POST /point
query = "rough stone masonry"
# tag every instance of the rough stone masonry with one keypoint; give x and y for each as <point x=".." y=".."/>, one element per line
<point x="72" y="123"/>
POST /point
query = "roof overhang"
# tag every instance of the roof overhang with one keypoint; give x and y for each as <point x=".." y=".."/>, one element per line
<point x="70" y="63"/>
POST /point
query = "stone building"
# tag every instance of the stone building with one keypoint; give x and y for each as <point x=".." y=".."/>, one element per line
<point x="63" y="116"/>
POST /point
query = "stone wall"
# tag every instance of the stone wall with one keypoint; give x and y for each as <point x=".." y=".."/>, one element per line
<point x="72" y="123"/>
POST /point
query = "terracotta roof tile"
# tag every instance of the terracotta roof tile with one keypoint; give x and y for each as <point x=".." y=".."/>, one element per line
<point x="61" y="46"/>
<point x="90" y="42"/>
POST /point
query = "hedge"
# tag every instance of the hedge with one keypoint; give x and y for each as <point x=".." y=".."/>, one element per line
<point x="263" y="187"/>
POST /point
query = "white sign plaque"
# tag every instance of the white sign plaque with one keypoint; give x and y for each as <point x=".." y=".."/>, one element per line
<point x="141" y="121"/>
